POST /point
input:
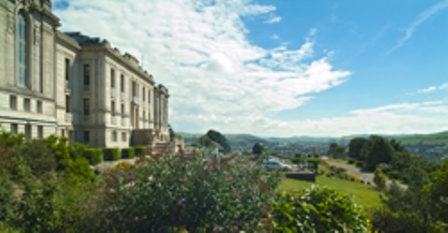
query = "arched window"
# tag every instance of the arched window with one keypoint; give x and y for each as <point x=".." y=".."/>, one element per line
<point x="22" y="49"/>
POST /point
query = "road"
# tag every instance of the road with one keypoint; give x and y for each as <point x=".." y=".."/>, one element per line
<point x="367" y="176"/>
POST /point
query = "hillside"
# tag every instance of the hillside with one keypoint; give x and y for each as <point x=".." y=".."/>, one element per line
<point x="424" y="139"/>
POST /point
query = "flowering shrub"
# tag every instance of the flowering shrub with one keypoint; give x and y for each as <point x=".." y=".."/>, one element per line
<point x="190" y="191"/>
<point x="316" y="210"/>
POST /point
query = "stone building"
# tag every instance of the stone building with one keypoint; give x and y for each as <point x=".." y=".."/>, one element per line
<point x="73" y="85"/>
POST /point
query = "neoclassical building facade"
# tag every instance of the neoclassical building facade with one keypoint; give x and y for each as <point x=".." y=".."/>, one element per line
<point x="73" y="85"/>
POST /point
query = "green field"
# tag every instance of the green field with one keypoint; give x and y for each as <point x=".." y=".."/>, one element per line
<point x="361" y="194"/>
<point x="425" y="139"/>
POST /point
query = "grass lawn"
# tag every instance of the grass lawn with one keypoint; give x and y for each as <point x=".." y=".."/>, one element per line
<point x="362" y="195"/>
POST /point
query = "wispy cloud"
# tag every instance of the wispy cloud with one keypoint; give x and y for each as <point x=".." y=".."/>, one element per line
<point x="433" y="88"/>
<point x="422" y="17"/>
<point x="273" y="19"/>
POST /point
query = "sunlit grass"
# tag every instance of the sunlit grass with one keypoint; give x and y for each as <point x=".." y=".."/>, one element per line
<point x="360" y="193"/>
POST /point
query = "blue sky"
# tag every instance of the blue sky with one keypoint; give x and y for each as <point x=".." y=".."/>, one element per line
<point x="285" y="68"/>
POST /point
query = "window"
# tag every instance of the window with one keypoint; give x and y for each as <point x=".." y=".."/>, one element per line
<point x="14" y="128"/>
<point x="143" y="94"/>
<point x="40" y="131"/>
<point x="39" y="106"/>
<point x="86" y="137"/>
<point x="122" y="83"/>
<point x="86" y="75"/>
<point x="67" y="70"/>
<point x="67" y="103"/>
<point x="13" y="102"/>
<point x="122" y="109"/>
<point x="86" y="106"/>
<point x="123" y="137"/>
<point x="27" y="104"/>
<point x="112" y="78"/>
<point x="134" y="89"/>
<point x="149" y="96"/>
<point x="114" y="136"/>
<point x="28" y="132"/>
<point x="112" y="106"/>
<point x="22" y="49"/>
<point x="62" y="133"/>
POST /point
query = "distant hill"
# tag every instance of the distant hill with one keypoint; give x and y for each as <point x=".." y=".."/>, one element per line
<point x="424" y="139"/>
<point x="236" y="141"/>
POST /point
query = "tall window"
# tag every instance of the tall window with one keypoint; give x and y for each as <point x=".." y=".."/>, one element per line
<point x="143" y="94"/>
<point x="122" y="109"/>
<point x="67" y="103"/>
<point x="86" y="75"/>
<point x="134" y="89"/>
<point x="112" y="78"/>
<point x="28" y="132"/>
<point x="149" y="96"/>
<point x="112" y="104"/>
<point x="40" y="131"/>
<point x="22" y="49"/>
<point x="27" y="104"/>
<point x="86" y="106"/>
<point x="13" y="102"/>
<point x="39" y="106"/>
<point x="122" y="83"/>
<point x="86" y="136"/>
<point x="67" y="70"/>
<point x="14" y="128"/>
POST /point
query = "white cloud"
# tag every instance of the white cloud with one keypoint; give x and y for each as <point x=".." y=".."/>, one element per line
<point x="433" y="88"/>
<point x="273" y="19"/>
<point x="422" y="17"/>
<point x="275" y="37"/>
<point x="218" y="79"/>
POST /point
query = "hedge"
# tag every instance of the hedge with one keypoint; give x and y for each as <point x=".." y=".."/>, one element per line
<point x="111" y="154"/>
<point x="94" y="155"/>
<point x="128" y="153"/>
<point x="140" y="150"/>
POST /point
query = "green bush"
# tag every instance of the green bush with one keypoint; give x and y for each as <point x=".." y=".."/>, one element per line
<point x="6" y="198"/>
<point x="111" y="154"/>
<point x="316" y="210"/>
<point x="351" y="161"/>
<point x="93" y="155"/>
<point x="128" y="153"/>
<point x="140" y="150"/>
<point x="187" y="191"/>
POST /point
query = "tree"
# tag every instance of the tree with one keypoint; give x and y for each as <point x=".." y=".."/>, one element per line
<point x="220" y="139"/>
<point x="397" y="146"/>
<point x="376" y="151"/>
<point x="438" y="192"/>
<point x="379" y="179"/>
<point x="257" y="149"/>
<point x="335" y="150"/>
<point x="355" y="146"/>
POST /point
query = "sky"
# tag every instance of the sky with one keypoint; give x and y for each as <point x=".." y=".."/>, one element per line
<point x="284" y="68"/>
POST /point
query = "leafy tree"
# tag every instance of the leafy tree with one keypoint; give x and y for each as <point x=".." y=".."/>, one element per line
<point x="438" y="192"/>
<point x="396" y="145"/>
<point x="214" y="137"/>
<point x="379" y="179"/>
<point x="355" y="146"/>
<point x="335" y="150"/>
<point x="376" y="151"/>
<point x="257" y="149"/>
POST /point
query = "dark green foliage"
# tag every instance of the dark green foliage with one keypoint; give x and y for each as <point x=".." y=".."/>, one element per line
<point x="93" y="155"/>
<point x="316" y="210"/>
<point x="111" y="154"/>
<point x="257" y="149"/>
<point x="355" y="146"/>
<point x="397" y="146"/>
<point x="128" y="153"/>
<point x="379" y="179"/>
<point x="140" y="150"/>
<point x="212" y="137"/>
<point x="229" y="193"/>
<point x="38" y="156"/>
<point x="335" y="150"/>
<point x="359" y="164"/>
<point x="376" y="151"/>
<point x="438" y="192"/>
<point x="314" y="162"/>
<point x="351" y="161"/>
<point x="6" y="198"/>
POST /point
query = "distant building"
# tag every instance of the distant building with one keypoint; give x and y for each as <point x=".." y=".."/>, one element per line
<point x="72" y="85"/>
